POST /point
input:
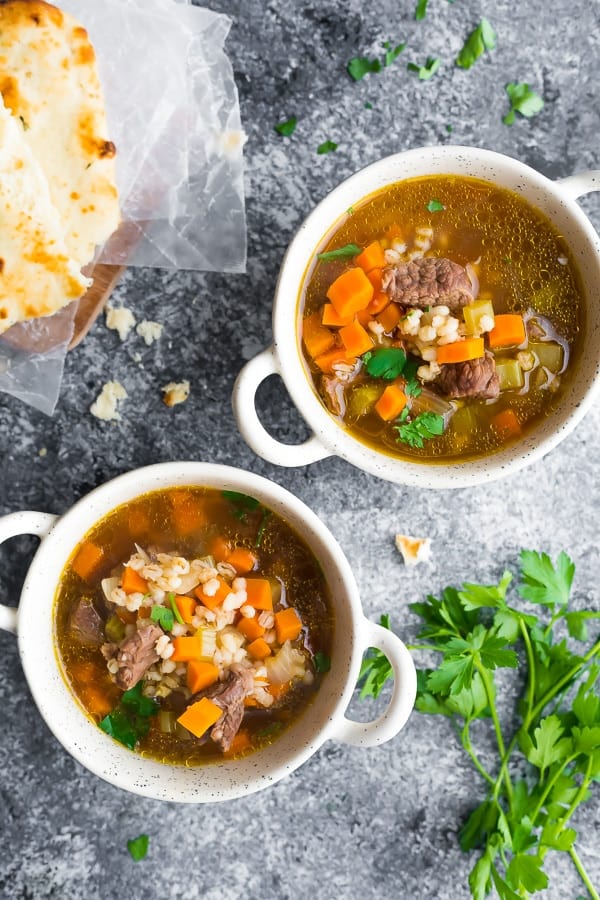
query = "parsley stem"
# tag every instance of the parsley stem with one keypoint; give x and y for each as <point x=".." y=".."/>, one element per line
<point x="500" y="740"/>
<point x="550" y="784"/>
<point x="466" y="742"/>
<point x="561" y="683"/>
<point x="530" y="665"/>
<point x="583" y="874"/>
<point x="423" y="647"/>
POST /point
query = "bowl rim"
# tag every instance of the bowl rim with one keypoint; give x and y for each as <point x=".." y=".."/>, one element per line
<point x="287" y="306"/>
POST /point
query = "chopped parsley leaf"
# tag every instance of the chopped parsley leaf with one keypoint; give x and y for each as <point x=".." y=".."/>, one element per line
<point x="243" y="500"/>
<point x="481" y="39"/>
<point x="422" y="428"/>
<point x="165" y="617"/>
<point x="287" y="128"/>
<point x="385" y="362"/>
<point x="412" y="388"/>
<point x="360" y="66"/>
<point x="321" y="662"/>
<point x="391" y="53"/>
<point x="130" y="719"/>
<point x="368" y="105"/>
<point x="269" y="730"/>
<point x="449" y="129"/>
<point x="138" y="847"/>
<point x="375" y="669"/>
<point x="428" y="70"/>
<point x="421" y="10"/>
<point x="435" y="206"/>
<point x="345" y="252"/>
<point x="261" y="527"/>
<point x="175" y="608"/>
<point x="522" y="100"/>
<point x="326" y="147"/>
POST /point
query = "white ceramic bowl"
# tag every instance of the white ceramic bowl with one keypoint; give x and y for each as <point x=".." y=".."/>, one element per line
<point x="323" y="720"/>
<point x="556" y="199"/>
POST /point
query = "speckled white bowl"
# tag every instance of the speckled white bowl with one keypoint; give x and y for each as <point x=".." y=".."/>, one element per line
<point x="556" y="199"/>
<point x="323" y="720"/>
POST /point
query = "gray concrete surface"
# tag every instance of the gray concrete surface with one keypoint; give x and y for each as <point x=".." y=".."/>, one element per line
<point x="379" y="823"/>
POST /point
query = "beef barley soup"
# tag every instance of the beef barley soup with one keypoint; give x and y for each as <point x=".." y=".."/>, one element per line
<point x="193" y="624"/>
<point x="442" y="319"/>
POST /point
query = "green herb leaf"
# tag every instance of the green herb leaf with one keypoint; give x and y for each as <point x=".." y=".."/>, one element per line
<point x="393" y="53"/>
<point x="326" y="147"/>
<point x="481" y="39"/>
<point x="525" y="871"/>
<point x="345" y="252"/>
<point x="287" y="128"/>
<point x="435" y="206"/>
<point x="549" y="744"/>
<point x="130" y="719"/>
<point x="423" y="427"/>
<point x="542" y="581"/>
<point x="428" y="70"/>
<point x="375" y="669"/>
<point x="412" y="388"/>
<point x="321" y="662"/>
<point x="269" y="730"/>
<point x="242" y="501"/>
<point x="138" y="847"/>
<point x="385" y="362"/>
<point x="360" y="66"/>
<point x="421" y="10"/>
<point x="163" y="616"/>
<point x="368" y="105"/>
<point x="523" y="100"/>
<point x="175" y="608"/>
<point x="261" y="528"/>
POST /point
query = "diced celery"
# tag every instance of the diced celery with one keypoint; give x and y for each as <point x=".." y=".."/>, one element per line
<point x="276" y="590"/>
<point x="182" y="733"/>
<point x="510" y="374"/>
<point x="464" y="421"/>
<point x="208" y="643"/>
<point x="429" y="401"/>
<point x="167" y="721"/>
<point x="114" y="629"/>
<point x="474" y="312"/>
<point x="363" y="398"/>
<point x="550" y="355"/>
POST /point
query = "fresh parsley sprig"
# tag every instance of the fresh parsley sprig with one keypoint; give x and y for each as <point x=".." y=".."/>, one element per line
<point x="476" y="630"/>
<point x="523" y="100"/>
<point x="422" y="428"/>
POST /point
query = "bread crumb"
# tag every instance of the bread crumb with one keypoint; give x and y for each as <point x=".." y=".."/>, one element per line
<point x="413" y="550"/>
<point x="120" y="319"/>
<point x="137" y="357"/>
<point x="42" y="451"/>
<point x="149" y="331"/>
<point x="105" y="405"/>
<point x="176" y="392"/>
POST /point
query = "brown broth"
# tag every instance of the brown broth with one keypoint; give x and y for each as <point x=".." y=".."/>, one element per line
<point x="185" y="519"/>
<point x="519" y="270"/>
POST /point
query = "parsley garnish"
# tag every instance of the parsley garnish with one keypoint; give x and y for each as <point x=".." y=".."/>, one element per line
<point x="385" y="362"/>
<point x="261" y="527"/>
<point x="375" y="669"/>
<point x="391" y="53"/>
<point x="321" y="662"/>
<point x="360" y="66"/>
<point x="421" y="10"/>
<point x="449" y="129"/>
<point x="481" y="39"/>
<point x="428" y="70"/>
<point x="423" y="427"/>
<point x="435" y="206"/>
<point x="130" y="720"/>
<point x="287" y="128"/>
<point x="165" y="617"/>
<point x="522" y="100"/>
<point x="326" y="147"/>
<point x="546" y="768"/>
<point x="345" y="252"/>
<point x="412" y="388"/>
<point x="175" y="608"/>
<point x="138" y="847"/>
<point x="242" y="503"/>
<point x="269" y="730"/>
<point x="368" y="105"/>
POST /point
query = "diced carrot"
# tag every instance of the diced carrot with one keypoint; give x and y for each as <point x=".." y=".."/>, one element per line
<point x="506" y="424"/>
<point x="372" y="257"/>
<point x="331" y="318"/>
<point x="187" y="514"/>
<point x="288" y="624"/>
<point x="317" y="339"/>
<point x="328" y="360"/>
<point x="350" y="292"/>
<point x="259" y="649"/>
<point x="212" y="602"/>
<point x="259" y="593"/>
<point x="378" y="303"/>
<point x="200" y="675"/>
<point x="250" y="628"/>
<point x="219" y="547"/>
<point x="277" y="691"/>
<point x="186" y="607"/>
<point x="394" y="233"/>
<point x="132" y="583"/>
<point x="186" y="648"/>
<point x="250" y="702"/>
<point x="96" y="702"/>
<point x="355" y="339"/>
<point x="199" y="717"/>
<point x="128" y="618"/>
<point x="144" y="612"/>
<point x="375" y="276"/>
<point x="242" y="560"/>
<point x="390" y="317"/>
<point x="508" y="330"/>
<point x="87" y="560"/>
<point x="391" y="403"/>
<point x="241" y="742"/>
<point x="461" y="351"/>
<point x="364" y="317"/>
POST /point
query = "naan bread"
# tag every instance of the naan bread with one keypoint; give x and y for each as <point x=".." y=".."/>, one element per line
<point x="49" y="80"/>
<point x="37" y="274"/>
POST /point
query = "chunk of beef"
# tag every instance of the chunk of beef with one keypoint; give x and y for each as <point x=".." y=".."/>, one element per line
<point x="428" y="282"/>
<point x="85" y="623"/>
<point x="475" y="378"/>
<point x="229" y="695"/>
<point x="333" y="394"/>
<point x="134" y="654"/>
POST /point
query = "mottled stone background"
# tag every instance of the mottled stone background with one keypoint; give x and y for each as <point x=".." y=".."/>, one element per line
<point x="351" y="823"/>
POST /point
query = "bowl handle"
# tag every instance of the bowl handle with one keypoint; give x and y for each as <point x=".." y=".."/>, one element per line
<point x="26" y="522"/>
<point x="584" y="183"/>
<point x="387" y="726"/>
<point x="251" y="429"/>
